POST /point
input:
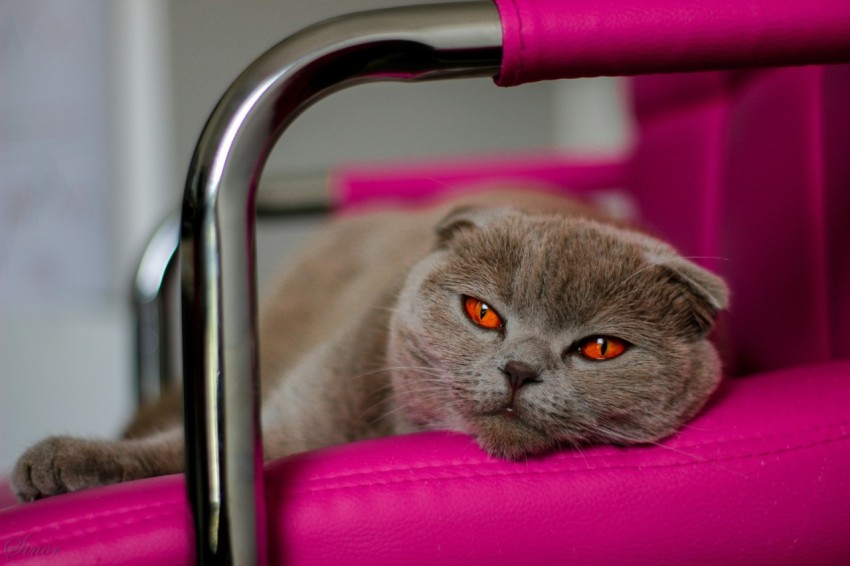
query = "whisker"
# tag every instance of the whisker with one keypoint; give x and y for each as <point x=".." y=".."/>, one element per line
<point x="393" y="411"/>
<point x="423" y="393"/>
<point x="420" y="369"/>
<point x="672" y="259"/>
<point x="715" y="257"/>
<point x="696" y="457"/>
<point x="632" y="276"/>
<point x="575" y="446"/>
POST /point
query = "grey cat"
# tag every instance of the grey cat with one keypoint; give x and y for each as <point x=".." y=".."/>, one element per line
<point x="520" y="318"/>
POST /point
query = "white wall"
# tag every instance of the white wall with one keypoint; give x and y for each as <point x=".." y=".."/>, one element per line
<point x="592" y="116"/>
<point x="84" y="145"/>
<point x="213" y="41"/>
<point x="149" y="72"/>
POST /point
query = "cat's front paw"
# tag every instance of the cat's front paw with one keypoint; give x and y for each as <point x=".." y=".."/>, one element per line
<point x="61" y="464"/>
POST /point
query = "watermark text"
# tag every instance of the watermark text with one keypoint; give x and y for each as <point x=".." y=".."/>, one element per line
<point x="19" y="547"/>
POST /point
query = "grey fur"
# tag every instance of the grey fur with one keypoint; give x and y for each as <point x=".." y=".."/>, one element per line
<point x="368" y="337"/>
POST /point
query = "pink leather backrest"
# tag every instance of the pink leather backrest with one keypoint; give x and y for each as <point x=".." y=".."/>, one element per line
<point x="750" y="173"/>
<point x="746" y="170"/>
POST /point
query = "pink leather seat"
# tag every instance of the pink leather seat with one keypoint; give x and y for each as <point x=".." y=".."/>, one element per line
<point x="747" y="170"/>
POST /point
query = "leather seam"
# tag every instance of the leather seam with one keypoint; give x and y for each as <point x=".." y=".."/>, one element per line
<point x="86" y="532"/>
<point x="564" y="471"/>
<point x="443" y="465"/>
<point x="92" y="517"/>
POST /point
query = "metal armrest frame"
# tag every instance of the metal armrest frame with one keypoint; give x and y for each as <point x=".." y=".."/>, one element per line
<point x="217" y="242"/>
<point x="157" y="278"/>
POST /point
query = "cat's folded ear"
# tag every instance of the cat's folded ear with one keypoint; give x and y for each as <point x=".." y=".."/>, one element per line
<point x="707" y="293"/>
<point x="464" y="218"/>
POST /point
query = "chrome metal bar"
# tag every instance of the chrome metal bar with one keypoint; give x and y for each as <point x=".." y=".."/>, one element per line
<point x="294" y="195"/>
<point x="155" y="285"/>
<point x="224" y="448"/>
<point x="155" y="276"/>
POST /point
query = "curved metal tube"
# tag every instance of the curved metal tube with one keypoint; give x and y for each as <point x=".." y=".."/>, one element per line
<point x="155" y="275"/>
<point x="154" y="287"/>
<point x="217" y="247"/>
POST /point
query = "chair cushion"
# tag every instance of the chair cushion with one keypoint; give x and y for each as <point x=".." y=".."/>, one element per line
<point x="754" y="479"/>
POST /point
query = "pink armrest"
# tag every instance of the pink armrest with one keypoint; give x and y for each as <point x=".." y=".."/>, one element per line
<point x="753" y="479"/>
<point x="551" y="39"/>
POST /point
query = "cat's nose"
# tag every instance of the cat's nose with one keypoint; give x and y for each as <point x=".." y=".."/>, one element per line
<point x="520" y="373"/>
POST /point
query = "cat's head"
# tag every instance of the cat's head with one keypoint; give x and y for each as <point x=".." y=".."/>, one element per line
<point x="534" y="331"/>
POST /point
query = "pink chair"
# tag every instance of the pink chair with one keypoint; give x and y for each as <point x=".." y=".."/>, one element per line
<point x="748" y="170"/>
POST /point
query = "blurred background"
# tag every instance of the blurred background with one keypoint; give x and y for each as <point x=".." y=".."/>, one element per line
<point x="101" y="102"/>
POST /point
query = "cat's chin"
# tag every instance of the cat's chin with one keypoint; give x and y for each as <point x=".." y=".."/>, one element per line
<point x="505" y="436"/>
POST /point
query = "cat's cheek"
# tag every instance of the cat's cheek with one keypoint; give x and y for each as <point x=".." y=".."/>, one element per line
<point x="706" y="375"/>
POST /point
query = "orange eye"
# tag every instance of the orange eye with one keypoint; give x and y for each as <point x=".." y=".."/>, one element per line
<point x="601" y="348"/>
<point x="481" y="314"/>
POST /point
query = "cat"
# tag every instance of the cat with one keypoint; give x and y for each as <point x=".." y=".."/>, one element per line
<point x="524" y="319"/>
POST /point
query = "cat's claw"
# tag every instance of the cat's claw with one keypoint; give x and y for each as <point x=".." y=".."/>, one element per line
<point x="62" y="464"/>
